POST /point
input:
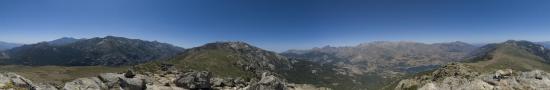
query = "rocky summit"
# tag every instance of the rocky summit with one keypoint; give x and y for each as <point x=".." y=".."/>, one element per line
<point x="231" y="59"/>
<point x="511" y="65"/>
<point x="459" y="77"/>
<point x="168" y="80"/>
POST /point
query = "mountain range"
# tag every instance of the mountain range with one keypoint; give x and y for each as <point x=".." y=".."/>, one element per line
<point x="116" y="62"/>
<point x="386" y="57"/>
<point x="108" y="51"/>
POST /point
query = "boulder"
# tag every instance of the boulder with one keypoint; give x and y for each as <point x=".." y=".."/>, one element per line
<point x="269" y="82"/>
<point x="45" y="87"/>
<point x="132" y="83"/>
<point x="111" y="79"/>
<point x="14" y="81"/>
<point x="194" y="80"/>
<point x="500" y="80"/>
<point x="92" y="83"/>
<point x="501" y="74"/>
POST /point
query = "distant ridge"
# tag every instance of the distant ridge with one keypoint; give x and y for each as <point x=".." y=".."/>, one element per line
<point x="108" y="51"/>
<point x="6" y="45"/>
<point x="515" y="54"/>
<point x="63" y="41"/>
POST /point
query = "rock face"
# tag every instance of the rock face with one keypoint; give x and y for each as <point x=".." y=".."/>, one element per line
<point x="111" y="80"/>
<point x="12" y="81"/>
<point x="269" y="82"/>
<point x="460" y="77"/>
<point x="386" y="58"/>
<point x="92" y="83"/>
<point x="195" y="80"/>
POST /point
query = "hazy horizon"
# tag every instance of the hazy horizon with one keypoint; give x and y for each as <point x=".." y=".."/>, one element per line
<point x="277" y="25"/>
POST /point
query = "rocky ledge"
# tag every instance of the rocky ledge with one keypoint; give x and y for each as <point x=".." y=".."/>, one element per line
<point x="194" y="80"/>
<point x="460" y="77"/>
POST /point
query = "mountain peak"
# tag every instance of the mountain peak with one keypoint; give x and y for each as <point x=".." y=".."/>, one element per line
<point x="237" y="45"/>
<point x="107" y="51"/>
<point x="523" y="44"/>
<point x="63" y="41"/>
<point x="515" y="54"/>
<point x="112" y="37"/>
<point x="240" y="57"/>
<point x="518" y="42"/>
<point x="459" y="42"/>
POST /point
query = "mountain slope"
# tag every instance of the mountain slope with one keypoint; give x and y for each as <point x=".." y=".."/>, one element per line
<point x="462" y="77"/>
<point x="228" y="65"/>
<point x="230" y="59"/>
<point x="494" y="66"/>
<point x="241" y="60"/>
<point x="63" y="41"/>
<point x="109" y="51"/>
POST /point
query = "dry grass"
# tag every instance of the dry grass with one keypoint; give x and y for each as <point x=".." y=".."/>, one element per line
<point x="511" y="58"/>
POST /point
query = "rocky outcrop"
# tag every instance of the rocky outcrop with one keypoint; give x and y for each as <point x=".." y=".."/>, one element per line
<point x="269" y="82"/>
<point x="12" y="81"/>
<point x="91" y="83"/>
<point x="110" y="79"/>
<point x="460" y="77"/>
<point x="194" y="80"/>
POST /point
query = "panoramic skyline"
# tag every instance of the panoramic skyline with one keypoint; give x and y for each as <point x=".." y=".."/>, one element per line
<point x="277" y="25"/>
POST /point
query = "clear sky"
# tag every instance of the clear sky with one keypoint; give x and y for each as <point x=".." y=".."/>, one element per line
<point x="277" y="24"/>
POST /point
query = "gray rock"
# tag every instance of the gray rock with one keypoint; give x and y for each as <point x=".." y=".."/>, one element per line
<point x="132" y="83"/>
<point x="499" y="80"/>
<point x="160" y="87"/>
<point x="129" y="74"/>
<point x="269" y="82"/>
<point x="111" y="79"/>
<point x="92" y="83"/>
<point x="217" y="82"/>
<point x="194" y="80"/>
<point x="14" y="81"/>
<point x="45" y="87"/>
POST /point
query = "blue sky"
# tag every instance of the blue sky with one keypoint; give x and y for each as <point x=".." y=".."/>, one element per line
<point x="277" y="24"/>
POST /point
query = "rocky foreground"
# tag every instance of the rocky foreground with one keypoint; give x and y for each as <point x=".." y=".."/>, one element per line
<point x="460" y="77"/>
<point x="193" y="80"/>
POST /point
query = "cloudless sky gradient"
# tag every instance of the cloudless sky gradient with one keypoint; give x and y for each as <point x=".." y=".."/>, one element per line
<point x="277" y="24"/>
